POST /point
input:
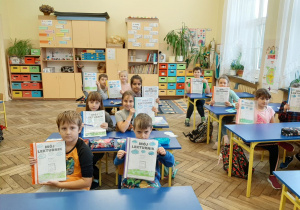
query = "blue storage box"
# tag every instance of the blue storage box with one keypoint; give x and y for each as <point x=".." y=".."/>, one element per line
<point x="16" y="85"/>
<point x="171" y="73"/>
<point x="171" y="86"/>
<point x="36" y="77"/>
<point x="99" y="51"/>
<point x="180" y="79"/>
<point x="36" y="93"/>
<point x="172" y="66"/>
<point x="179" y="92"/>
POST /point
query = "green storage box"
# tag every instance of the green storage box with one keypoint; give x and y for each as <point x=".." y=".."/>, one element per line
<point x="34" y="69"/>
<point x="208" y="73"/>
<point x="171" y="79"/>
<point x="35" y="52"/>
<point x="181" y="66"/>
<point x="210" y="85"/>
<point x="162" y="79"/>
<point x="189" y="78"/>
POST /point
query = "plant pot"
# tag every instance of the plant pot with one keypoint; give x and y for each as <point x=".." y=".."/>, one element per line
<point x="46" y="13"/>
<point x="232" y="72"/>
<point x="171" y="59"/>
<point x="240" y="72"/>
<point x="179" y="58"/>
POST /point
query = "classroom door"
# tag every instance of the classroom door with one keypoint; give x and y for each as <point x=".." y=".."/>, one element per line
<point x="66" y="85"/>
<point x="50" y="85"/>
<point x="81" y="37"/>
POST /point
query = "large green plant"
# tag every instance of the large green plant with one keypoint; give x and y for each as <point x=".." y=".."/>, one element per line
<point x="180" y="41"/>
<point x="20" y="48"/>
<point x="199" y="57"/>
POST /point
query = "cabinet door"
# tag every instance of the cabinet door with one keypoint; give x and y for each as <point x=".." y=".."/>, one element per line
<point x="118" y="62"/>
<point x="135" y="35"/>
<point x="150" y="79"/>
<point x="97" y="34"/>
<point x="78" y="85"/>
<point x="151" y="29"/>
<point x="47" y="33"/>
<point x="50" y="85"/>
<point x="80" y="34"/>
<point x="66" y="85"/>
<point x="63" y="33"/>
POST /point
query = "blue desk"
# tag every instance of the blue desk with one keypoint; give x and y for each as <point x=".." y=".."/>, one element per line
<point x="290" y="180"/>
<point x="113" y="117"/>
<point x="254" y="134"/>
<point x="244" y="95"/>
<point x="107" y="103"/>
<point x="150" y="198"/>
<point x="275" y="106"/>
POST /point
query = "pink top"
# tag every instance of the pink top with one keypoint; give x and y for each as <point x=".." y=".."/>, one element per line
<point x="264" y="116"/>
<point x="125" y="87"/>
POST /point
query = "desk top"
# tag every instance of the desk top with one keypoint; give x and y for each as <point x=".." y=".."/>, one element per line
<point x="244" y="95"/>
<point x="290" y="179"/>
<point x="196" y="96"/>
<point x="209" y="95"/>
<point x="106" y="103"/>
<point x="150" y="198"/>
<point x="113" y="118"/>
<point x="263" y="132"/>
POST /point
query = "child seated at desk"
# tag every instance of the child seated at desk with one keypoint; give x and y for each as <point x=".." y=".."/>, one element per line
<point x="102" y="88"/>
<point x="199" y="103"/>
<point x="79" y="177"/>
<point x="223" y="81"/>
<point x="123" y="75"/>
<point x="142" y="128"/>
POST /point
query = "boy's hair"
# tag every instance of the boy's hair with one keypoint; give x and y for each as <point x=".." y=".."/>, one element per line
<point x="262" y="92"/>
<point x="142" y="121"/>
<point x="223" y="77"/>
<point x="197" y="69"/>
<point x="69" y="117"/>
<point x="123" y="72"/>
<point x="128" y="93"/>
<point x="94" y="96"/>
<point x="102" y="75"/>
<point x="135" y="77"/>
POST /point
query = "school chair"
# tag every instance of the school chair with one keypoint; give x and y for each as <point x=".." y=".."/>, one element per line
<point x="4" y="111"/>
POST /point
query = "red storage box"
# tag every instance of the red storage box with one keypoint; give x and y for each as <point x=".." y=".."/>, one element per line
<point x="16" y="77"/>
<point x="26" y="86"/>
<point x="27" y="94"/>
<point x="163" y="66"/>
<point x="29" y="60"/>
<point x="36" y="85"/>
<point x="163" y="73"/>
<point x="25" y="77"/>
<point x="180" y="86"/>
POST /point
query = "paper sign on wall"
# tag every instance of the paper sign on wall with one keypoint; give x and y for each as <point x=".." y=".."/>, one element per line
<point x="47" y="22"/>
<point x="149" y="44"/>
<point x="111" y="53"/>
<point x="136" y="26"/>
<point x="153" y="24"/>
<point x="132" y="32"/>
<point x="154" y="32"/>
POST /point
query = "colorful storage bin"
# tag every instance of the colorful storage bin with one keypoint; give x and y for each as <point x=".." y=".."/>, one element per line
<point x="162" y="92"/>
<point x="187" y="78"/>
<point x="16" y="77"/>
<point x="15" y="69"/>
<point x="210" y="85"/>
<point x="25" y="77"/>
<point x="35" y="52"/>
<point x="171" y="79"/>
<point x="171" y="92"/>
<point x="163" y="66"/>
<point x="16" y="85"/>
<point x="34" y="69"/>
<point x="171" y="86"/>
<point x="179" y="92"/>
<point x="171" y="73"/>
<point x="25" y="69"/>
<point x="36" y="93"/>
<point x="36" y="77"/>
<point x="180" y="73"/>
<point x="29" y="60"/>
<point x="27" y="94"/>
<point x="208" y="73"/>
<point x="181" y="66"/>
<point x="189" y="73"/>
<point x="36" y="85"/>
<point x="180" y="79"/>
<point x="162" y="79"/>
<point x="209" y="79"/>
<point x="163" y="86"/>
<point x="26" y="85"/>
<point x="163" y="73"/>
<point x="17" y="94"/>
<point x="180" y="86"/>
<point x="172" y="66"/>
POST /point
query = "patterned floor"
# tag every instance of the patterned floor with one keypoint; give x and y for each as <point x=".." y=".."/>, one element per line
<point x="173" y="106"/>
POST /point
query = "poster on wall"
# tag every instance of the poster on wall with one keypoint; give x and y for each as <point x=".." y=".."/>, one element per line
<point x="269" y="80"/>
<point x="198" y="36"/>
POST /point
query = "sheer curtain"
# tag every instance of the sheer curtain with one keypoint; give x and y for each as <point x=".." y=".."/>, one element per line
<point x="243" y="32"/>
<point x="287" y="42"/>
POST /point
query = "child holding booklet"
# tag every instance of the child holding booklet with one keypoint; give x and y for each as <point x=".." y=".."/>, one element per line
<point x="142" y="128"/>
<point x="101" y="86"/>
<point x="78" y="156"/>
<point x="199" y="103"/>
<point x="223" y="81"/>
<point x="123" y="75"/>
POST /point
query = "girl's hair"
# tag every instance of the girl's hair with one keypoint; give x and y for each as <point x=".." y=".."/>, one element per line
<point x="223" y="77"/>
<point x="197" y="69"/>
<point x="262" y="92"/>
<point x="128" y="93"/>
<point x="142" y="121"/>
<point x="123" y="72"/>
<point x="135" y="77"/>
<point x="102" y="75"/>
<point x="94" y="96"/>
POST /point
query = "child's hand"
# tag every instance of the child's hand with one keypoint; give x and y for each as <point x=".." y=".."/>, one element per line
<point x="212" y="102"/>
<point x="121" y="91"/>
<point x="188" y="81"/>
<point x="98" y="84"/>
<point x="104" y="125"/>
<point x="121" y="154"/>
<point x="157" y="101"/>
<point x="132" y="111"/>
<point x="204" y="81"/>
<point x="52" y="183"/>
<point x="32" y="161"/>
<point x="227" y="103"/>
<point x="237" y="105"/>
<point x="286" y="107"/>
<point x="161" y="151"/>
<point x="154" y="109"/>
<point x="106" y="88"/>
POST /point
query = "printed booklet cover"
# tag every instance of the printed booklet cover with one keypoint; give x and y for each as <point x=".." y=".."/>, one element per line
<point x="114" y="88"/>
<point x="294" y="99"/>
<point x="196" y="85"/>
<point x="144" y="105"/>
<point x="89" y="81"/>
<point x="246" y="112"/>
<point x="92" y="121"/>
<point x="220" y="95"/>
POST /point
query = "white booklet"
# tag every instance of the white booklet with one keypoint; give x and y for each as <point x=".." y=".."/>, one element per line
<point x="114" y="88"/>
<point x="220" y="95"/>
<point x="294" y="99"/>
<point x="144" y="105"/>
<point x="196" y="85"/>
<point x="92" y="121"/>
<point x="246" y="112"/>
<point x="89" y="81"/>
<point x="151" y="91"/>
<point x="140" y="159"/>
<point x="51" y="161"/>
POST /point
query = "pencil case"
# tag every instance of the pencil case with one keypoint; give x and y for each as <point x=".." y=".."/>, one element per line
<point x="102" y="143"/>
<point x="163" y="141"/>
<point x="290" y="131"/>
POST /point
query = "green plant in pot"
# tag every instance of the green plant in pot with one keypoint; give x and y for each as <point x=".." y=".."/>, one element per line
<point x="200" y="57"/>
<point x="18" y="50"/>
<point x="180" y="41"/>
<point x="237" y="66"/>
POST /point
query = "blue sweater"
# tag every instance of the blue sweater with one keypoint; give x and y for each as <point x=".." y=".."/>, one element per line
<point x="167" y="160"/>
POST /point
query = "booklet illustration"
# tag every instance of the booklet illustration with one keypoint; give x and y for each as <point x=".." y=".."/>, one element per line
<point x="151" y="91"/>
<point x="144" y="105"/>
<point x="246" y="112"/>
<point x="92" y="121"/>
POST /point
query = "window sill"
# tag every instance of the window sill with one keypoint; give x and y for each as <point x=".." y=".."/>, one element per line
<point x="242" y="80"/>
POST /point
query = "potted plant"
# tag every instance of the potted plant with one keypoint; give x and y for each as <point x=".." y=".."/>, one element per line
<point x="46" y="9"/>
<point x="237" y="67"/>
<point x="200" y="57"/>
<point x="18" y="50"/>
<point x="180" y="41"/>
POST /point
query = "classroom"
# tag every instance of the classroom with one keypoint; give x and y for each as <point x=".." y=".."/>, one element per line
<point x="205" y="94"/>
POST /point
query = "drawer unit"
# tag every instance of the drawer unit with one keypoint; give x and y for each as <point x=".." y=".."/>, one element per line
<point x="208" y="73"/>
<point x="163" y="73"/>
<point x="16" y="77"/>
<point x="179" y="92"/>
<point x="171" y="86"/>
<point x="25" y="77"/>
<point x="189" y="73"/>
<point x="209" y="79"/>
<point x="162" y="79"/>
<point x="181" y="66"/>
<point x="36" y="93"/>
<point x="162" y="92"/>
<point x="180" y="86"/>
<point x="163" y="86"/>
<point x="180" y="73"/>
<point x="163" y="66"/>
<point x="172" y="66"/>
<point x="36" y="85"/>
<point x="34" y="69"/>
<point x="180" y="79"/>
<point x="27" y="94"/>
<point x="17" y="94"/>
<point x="171" y="92"/>
<point x="171" y="73"/>
<point x="15" y="69"/>
<point x="36" y="77"/>
<point x="25" y="69"/>
<point x="16" y="85"/>
<point x="26" y="85"/>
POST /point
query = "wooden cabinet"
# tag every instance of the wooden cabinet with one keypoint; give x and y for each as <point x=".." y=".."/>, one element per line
<point x="51" y="85"/>
<point x="116" y="63"/>
<point x="59" y="85"/>
<point x="78" y="85"/>
<point x="89" y="34"/>
<point x="148" y="79"/>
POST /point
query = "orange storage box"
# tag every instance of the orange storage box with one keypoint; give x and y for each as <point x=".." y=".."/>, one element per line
<point x="16" y="77"/>
<point x="163" y="66"/>
<point x="27" y="94"/>
<point x="36" y="85"/>
<point x="29" y="60"/>
<point x="180" y="86"/>
<point x="163" y="73"/>
<point x="26" y="85"/>
<point x="25" y="77"/>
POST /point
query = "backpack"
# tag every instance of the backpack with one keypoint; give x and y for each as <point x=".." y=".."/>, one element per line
<point x="240" y="162"/>
<point x="199" y="135"/>
<point x="1" y="132"/>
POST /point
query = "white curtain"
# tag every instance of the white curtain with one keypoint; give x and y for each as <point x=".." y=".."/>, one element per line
<point x="287" y="42"/>
<point x="242" y="32"/>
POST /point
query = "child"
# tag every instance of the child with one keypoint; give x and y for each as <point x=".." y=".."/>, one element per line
<point x="142" y="128"/>
<point x="199" y="103"/>
<point x="101" y="86"/>
<point x="79" y="177"/>
<point x="223" y="81"/>
<point x="124" y="81"/>
<point x="265" y="114"/>
<point x="284" y="115"/>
